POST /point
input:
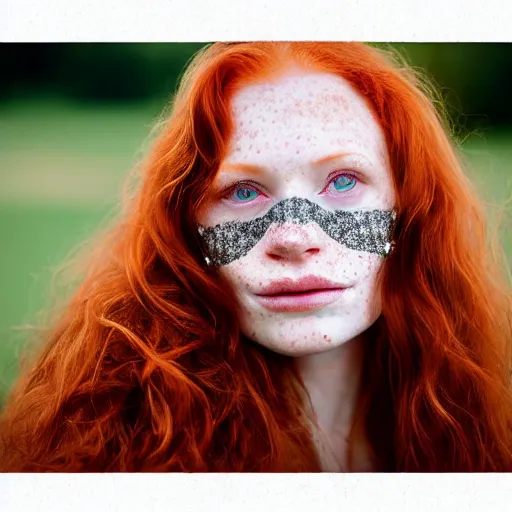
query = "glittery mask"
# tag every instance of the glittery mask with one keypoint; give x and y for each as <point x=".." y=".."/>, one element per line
<point x="361" y="230"/>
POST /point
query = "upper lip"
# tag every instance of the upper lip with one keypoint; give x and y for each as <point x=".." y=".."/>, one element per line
<point x="289" y="285"/>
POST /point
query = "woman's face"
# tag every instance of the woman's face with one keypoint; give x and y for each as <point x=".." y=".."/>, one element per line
<point x="311" y="136"/>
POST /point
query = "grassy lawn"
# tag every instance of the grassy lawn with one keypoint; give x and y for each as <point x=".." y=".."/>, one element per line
<point x="61" y="171"/>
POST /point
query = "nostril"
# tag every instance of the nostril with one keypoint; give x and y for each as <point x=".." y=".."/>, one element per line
<point x="283" y="252"/>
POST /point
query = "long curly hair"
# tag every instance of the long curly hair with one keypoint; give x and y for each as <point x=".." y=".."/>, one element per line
<point x="146" y="368"/>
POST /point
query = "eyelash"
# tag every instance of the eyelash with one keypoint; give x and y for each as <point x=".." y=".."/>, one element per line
<point x="334" y="176"/>
<point x="237" y="184"/>
<point x="228" y="191"/>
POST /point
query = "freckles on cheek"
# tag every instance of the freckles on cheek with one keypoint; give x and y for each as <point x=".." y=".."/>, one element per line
<point x="244" y="274"/>
<point x="247" y="134"/>
<point x="360" y="266"/>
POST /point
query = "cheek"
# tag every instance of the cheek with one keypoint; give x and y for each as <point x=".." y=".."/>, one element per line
<point x="243" y="276"/>
<point x="362" y="271"/>
<point x="354" y="267"/>
<point x="366" y="270"/>
<point x="369" y="285"/>
<point x="367" y="266"/>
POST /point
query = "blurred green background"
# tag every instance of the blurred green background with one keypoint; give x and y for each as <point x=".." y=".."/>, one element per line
<point x="74" y="117"/>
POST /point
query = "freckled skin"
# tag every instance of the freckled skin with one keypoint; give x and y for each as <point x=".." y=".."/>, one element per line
<point x="283" y="126"/>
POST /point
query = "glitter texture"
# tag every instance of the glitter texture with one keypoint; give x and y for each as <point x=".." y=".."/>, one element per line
<point x="361" y="230"/>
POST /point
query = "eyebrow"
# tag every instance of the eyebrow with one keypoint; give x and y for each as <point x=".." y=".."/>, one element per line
<point x="242" y="167"/>
<point x="328" y="158"/>
<point x="260" y="170"/>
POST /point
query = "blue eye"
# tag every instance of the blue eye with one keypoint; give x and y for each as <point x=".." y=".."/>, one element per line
<point x="344" y="183"/>
<point x="243" y="195"/>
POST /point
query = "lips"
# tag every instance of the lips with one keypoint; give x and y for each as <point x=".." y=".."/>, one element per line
<point x="306" y="284"/>
<point x="308" y="293"/>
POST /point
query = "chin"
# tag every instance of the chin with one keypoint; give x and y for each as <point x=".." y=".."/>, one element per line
<point x="307" y="349"/>
<point x="303" y="336"/>
<point x="304" y="345"/>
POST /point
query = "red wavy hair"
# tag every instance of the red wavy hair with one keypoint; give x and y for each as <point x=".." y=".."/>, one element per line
<point x="146" y="368"/>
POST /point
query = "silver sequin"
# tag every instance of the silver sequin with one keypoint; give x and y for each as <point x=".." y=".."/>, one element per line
<point x="361" y="230"/>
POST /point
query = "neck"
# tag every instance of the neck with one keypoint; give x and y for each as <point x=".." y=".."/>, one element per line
<point x="332" y="380"/>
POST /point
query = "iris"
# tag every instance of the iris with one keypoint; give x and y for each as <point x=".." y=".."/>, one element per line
<point x="344" y="183"/>
<point x="244" y="194"/>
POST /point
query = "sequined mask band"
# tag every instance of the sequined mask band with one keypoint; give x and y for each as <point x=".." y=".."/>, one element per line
<point x="361" y="230"/>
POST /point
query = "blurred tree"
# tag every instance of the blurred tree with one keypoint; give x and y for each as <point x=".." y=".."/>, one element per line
<point x="473" y="77"/>
<point x="93" y="71"/>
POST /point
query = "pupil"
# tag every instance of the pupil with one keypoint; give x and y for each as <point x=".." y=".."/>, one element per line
<point x="343" y="181"/>
<point x="244" y="193"/>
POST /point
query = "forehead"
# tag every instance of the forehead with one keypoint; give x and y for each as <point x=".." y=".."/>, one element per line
<point x="310" y="112"/>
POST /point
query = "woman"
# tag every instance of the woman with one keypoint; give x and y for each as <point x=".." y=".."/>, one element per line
<point x="302" y="284"/>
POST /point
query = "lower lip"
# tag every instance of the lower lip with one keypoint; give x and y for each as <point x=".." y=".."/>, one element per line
<point x="297" y="302"/>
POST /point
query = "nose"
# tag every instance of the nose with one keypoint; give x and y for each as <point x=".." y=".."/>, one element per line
<point x="291" y="242"/>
